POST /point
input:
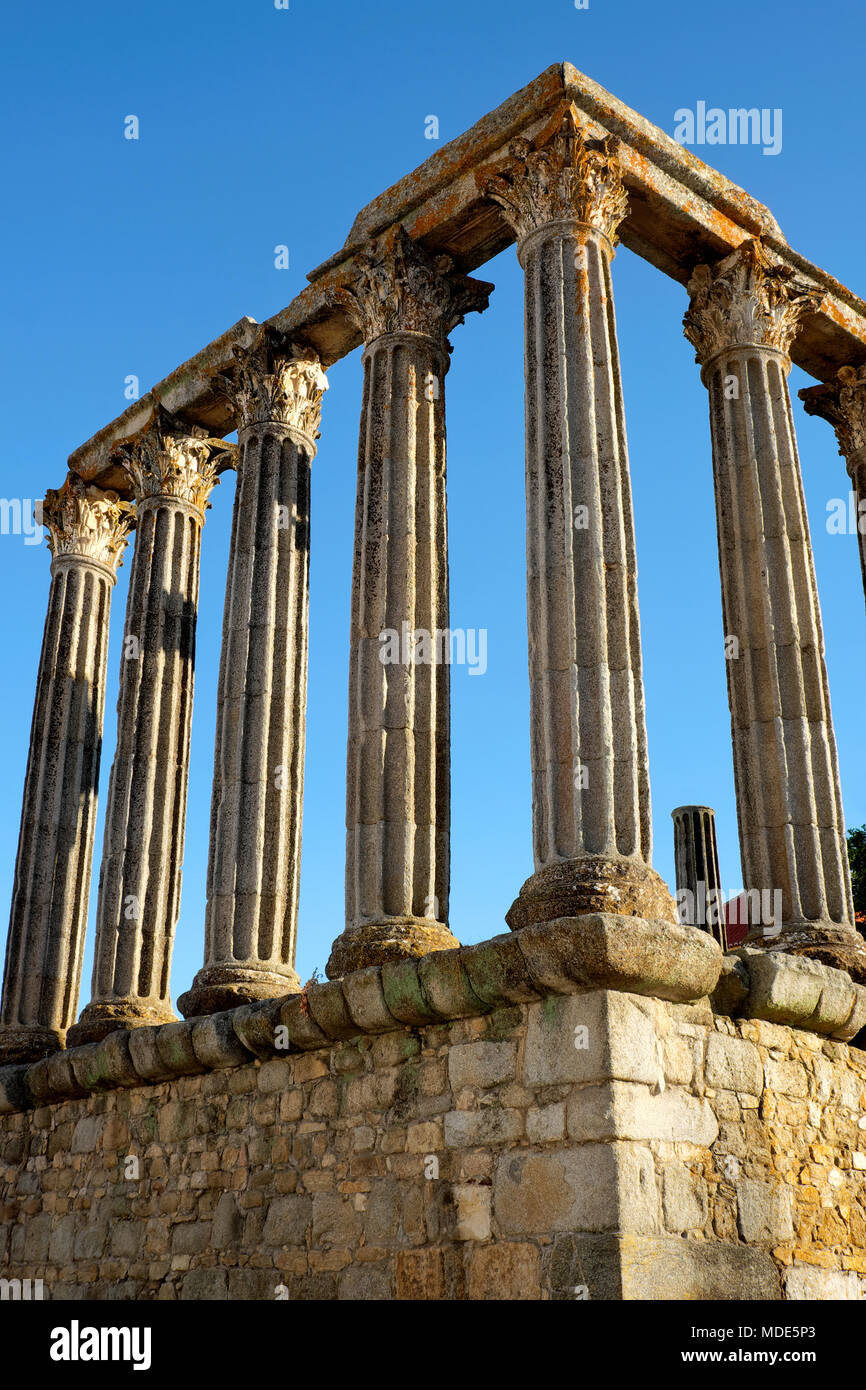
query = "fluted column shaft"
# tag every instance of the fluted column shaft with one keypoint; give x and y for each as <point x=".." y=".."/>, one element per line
<point x="696" y="859"/>
<point x="87" y="535"/>
<point x="398" y="799"/>
<point x="140" y="877"/>
<point x="258" y="789"/>
<point x="742" y="319"/>
<point x="398" y="763"/>
<point x="592" y="834"/>
<point x="843" y="403"/>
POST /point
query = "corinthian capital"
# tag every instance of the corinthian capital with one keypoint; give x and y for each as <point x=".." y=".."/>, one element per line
<point x="88" y="522"/>
<point x="401" y="288"/>
<point x="171" y="459"/>
<point x="745" y="300"/>
<point x="843" y="403"/>
<point x="275" y="381"/>
<point x="566" y="178"/>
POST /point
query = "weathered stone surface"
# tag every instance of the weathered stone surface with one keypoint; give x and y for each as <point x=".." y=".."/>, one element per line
<point x="732" y="990"/>
<point x="842" y="401"/>
<point x="490" y="1126"/>
<point x="53" y="1078"/>
<point x="205" y="1285"/>
<point x="173" y="469"/>
<point x="304" y="1032"/>
<point x="328" y="1007"/>
<point x="764" y="1211"/>
<point x="255" y="1025"/>
<point x="276" y="391"/>
<point x="807" y="993"/>
<point x="626" y="1110"/>
<point x="215" y="1042"/>
<point x="591" y="1038"/>
<point x="696" y="856"/>
<point x="446" y="985"/>
<point x="744" y="314"/>
<point x="545" y="1124"/>
<point x="591" y="884"/>
<point x="404" y="995"/>
<point x="592" y="1188"/>
<point x="820" y="1285"/>
<point x="14" y="1091"/>
<point x="288" y="1220"/>
<point x="721" y="1127"/>
<point x="174" y="1045"/>
<point x="508" y="1271"/>
<point x="734" y="1065"/>
<point x="622" y="953"/>
<point x="652" y="1268"/>
<point x="105" y="1065"/>
<point x="405" y="303"/>
<point x="857" y="1021"/>
<point x="88" y="530"/>
<point x="365" y="1001"/>
<point x="481" y="1064"/>
<point x="473" y="1203"/>
<point x="412" y="1154"/>
<point x="684" y="1199"/>
<point x="497" y="971"/>
<point x="782" y="989"/>
<point x="144" y="1050"/>
<point x="836" y="1004"/>
<point x="564" y="197"/>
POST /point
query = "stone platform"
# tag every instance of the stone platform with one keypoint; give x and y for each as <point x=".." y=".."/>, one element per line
<point x="527" y="1118"/>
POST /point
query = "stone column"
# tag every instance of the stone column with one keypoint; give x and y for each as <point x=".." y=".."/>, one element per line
<point x="696" y="856"/>
<point x="398" y="806"/>
<point x="173" y="468"/>
<point x="743" y="317"/>
<point x="591" y="797"/>
<point x="87" y="534"/>
<point x="258" y="788"/>
<point x="843" y="403"/>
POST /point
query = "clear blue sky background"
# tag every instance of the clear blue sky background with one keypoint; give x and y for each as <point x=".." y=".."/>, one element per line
<point x="261" y="127"/>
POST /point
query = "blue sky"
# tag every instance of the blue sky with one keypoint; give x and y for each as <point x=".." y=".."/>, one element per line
<point x="261" y="127"/>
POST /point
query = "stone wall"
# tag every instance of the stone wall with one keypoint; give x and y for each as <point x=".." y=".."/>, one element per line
<point x="596" y="1144"/>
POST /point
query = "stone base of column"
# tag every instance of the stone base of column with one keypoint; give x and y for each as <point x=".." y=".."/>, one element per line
<point x="20" y="1043"/>
<point x="218" y="987"/>
<point x="592" y="883"/>
<point x="376" y="943"/>
<point x="842" y="948"/>
<point x="100" y="1018"/>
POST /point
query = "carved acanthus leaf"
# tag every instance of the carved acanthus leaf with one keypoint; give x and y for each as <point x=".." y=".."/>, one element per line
<point x="401" y="288"/>
<point x="569" y="177"/>
<point x="746" y="300"/>
<point x="173" y="459"/>
<point x="843" y="403"/>
<point x="276" y="381"/>
<point x="87" y="521"/>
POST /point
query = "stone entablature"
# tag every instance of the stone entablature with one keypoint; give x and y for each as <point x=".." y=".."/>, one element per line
<point x="685" y="211"/>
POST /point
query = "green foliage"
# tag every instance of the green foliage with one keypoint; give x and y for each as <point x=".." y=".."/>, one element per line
<point x="857" y="860"/>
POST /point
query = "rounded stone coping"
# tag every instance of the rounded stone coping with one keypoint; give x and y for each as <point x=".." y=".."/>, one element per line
<point x="802" y="993"/>
<point x="571" y="955"/>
